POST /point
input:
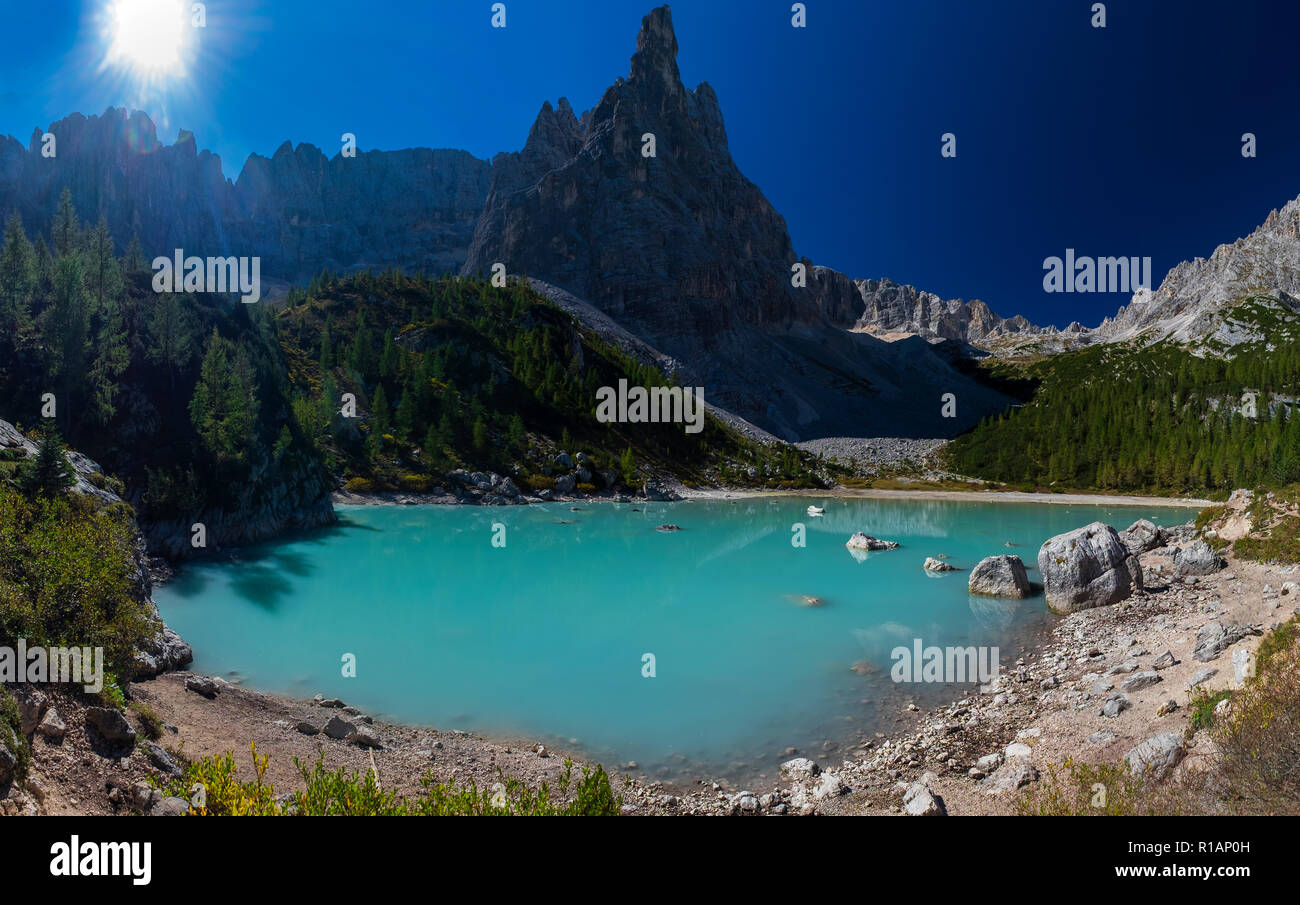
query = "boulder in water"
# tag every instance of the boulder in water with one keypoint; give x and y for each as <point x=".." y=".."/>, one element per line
<point x="863" y="541"/>
<point x="1000" y="576"/>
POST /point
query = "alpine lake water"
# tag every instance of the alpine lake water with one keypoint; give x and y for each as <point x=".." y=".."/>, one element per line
<point x="540" y="631"/>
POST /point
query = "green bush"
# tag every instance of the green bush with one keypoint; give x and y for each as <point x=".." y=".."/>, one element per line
<point x="1275" y="644"/>
<point x="67" y="576"/>
<point x="1101" y="790"/>
<point x="1260" y="736"/>
<point x="538" y="482"/>
<point x="9" y="718"/>
<point x="340" y="793"/>
<point x="415" y="483"/>
<point x="1201" y="707"/>
<point x="149" y="721"/>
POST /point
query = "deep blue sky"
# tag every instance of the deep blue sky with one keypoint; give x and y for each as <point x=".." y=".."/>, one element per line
<point x="1115" y="141"/>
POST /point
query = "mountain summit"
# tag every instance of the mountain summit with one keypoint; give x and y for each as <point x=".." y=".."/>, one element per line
<point x="636" y="208"/>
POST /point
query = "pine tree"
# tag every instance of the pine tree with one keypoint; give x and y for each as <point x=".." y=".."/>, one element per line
<point x="49" y="473"/>
<point x="326" y="347"/>
<point x="133" y="261"/>
<point x="173" y="331"/>
<point x="223" y="408"/>
<point x="68" y="331"/>
<point x="17" y="285"/>
<point x="379" y="414"/>
<point x="66" y="228"/>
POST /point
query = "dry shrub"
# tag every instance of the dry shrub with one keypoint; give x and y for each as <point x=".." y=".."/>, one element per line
<point x="1260" y="738"/>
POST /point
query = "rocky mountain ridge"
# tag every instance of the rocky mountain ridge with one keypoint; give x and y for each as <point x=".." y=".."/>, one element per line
<point x="678" y="248"/>
<point x="298" y="210"/>
<point x="1194" y="301"/>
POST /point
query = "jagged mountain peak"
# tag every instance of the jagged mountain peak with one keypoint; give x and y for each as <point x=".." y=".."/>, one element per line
<point x="1195" y="299"/>
<point x="893" y="308"/>
<point x="675" y="245"/>
<point x="655" y="59"/>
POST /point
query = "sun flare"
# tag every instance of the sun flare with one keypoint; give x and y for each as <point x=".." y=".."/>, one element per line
<point x="147" y="35"/>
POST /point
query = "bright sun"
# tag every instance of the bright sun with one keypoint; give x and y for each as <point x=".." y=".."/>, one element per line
<point x="147" y="34"/>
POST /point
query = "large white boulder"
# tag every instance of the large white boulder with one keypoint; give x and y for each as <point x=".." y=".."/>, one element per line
<point x="1000" y="576"/>
<point x="1087" y="567"/>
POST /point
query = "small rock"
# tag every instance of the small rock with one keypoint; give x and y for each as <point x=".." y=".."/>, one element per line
<point x="1140" y="680"/>
<point x="52" y="726"/>
<point x="1156" y="756"/>
<point x="364" y="737"/>
<point x="1202" y="675"/>
<point x="338" y="728"/>
<point x="202" y="685"/>
<point x="1115" y="705"/>
<point x="1018" y="749"/>
<point x="161" y="760"/>
<point x="111" y="725"/>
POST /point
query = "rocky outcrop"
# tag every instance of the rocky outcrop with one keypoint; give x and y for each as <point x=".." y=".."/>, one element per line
<point x="1214" y="638"/>
<point x="1195" y="300"/>
<point x="89" y="476"/>
<point x="1000" y="576"/>
<point x="682" y="250"/>
<point x="165" y="650"/>
<point x="414" y="208"/>
<point x="1087" y="567"/>
<point x="665" y="241"/>
<point x="10" y="745"/>
<point x="890" y="308"/>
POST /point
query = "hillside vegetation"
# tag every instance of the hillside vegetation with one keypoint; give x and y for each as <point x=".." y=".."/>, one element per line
<point x="183" y="397"/>
<point x="455" y="372"/>
<point x="1163" y="418"/>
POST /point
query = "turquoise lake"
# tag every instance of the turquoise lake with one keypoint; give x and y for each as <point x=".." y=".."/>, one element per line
<point x="543" y="638"/>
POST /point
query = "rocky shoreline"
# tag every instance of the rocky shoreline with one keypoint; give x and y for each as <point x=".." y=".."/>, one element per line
<point x="1101" y="684"/>
<point x="969" y="756"/>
